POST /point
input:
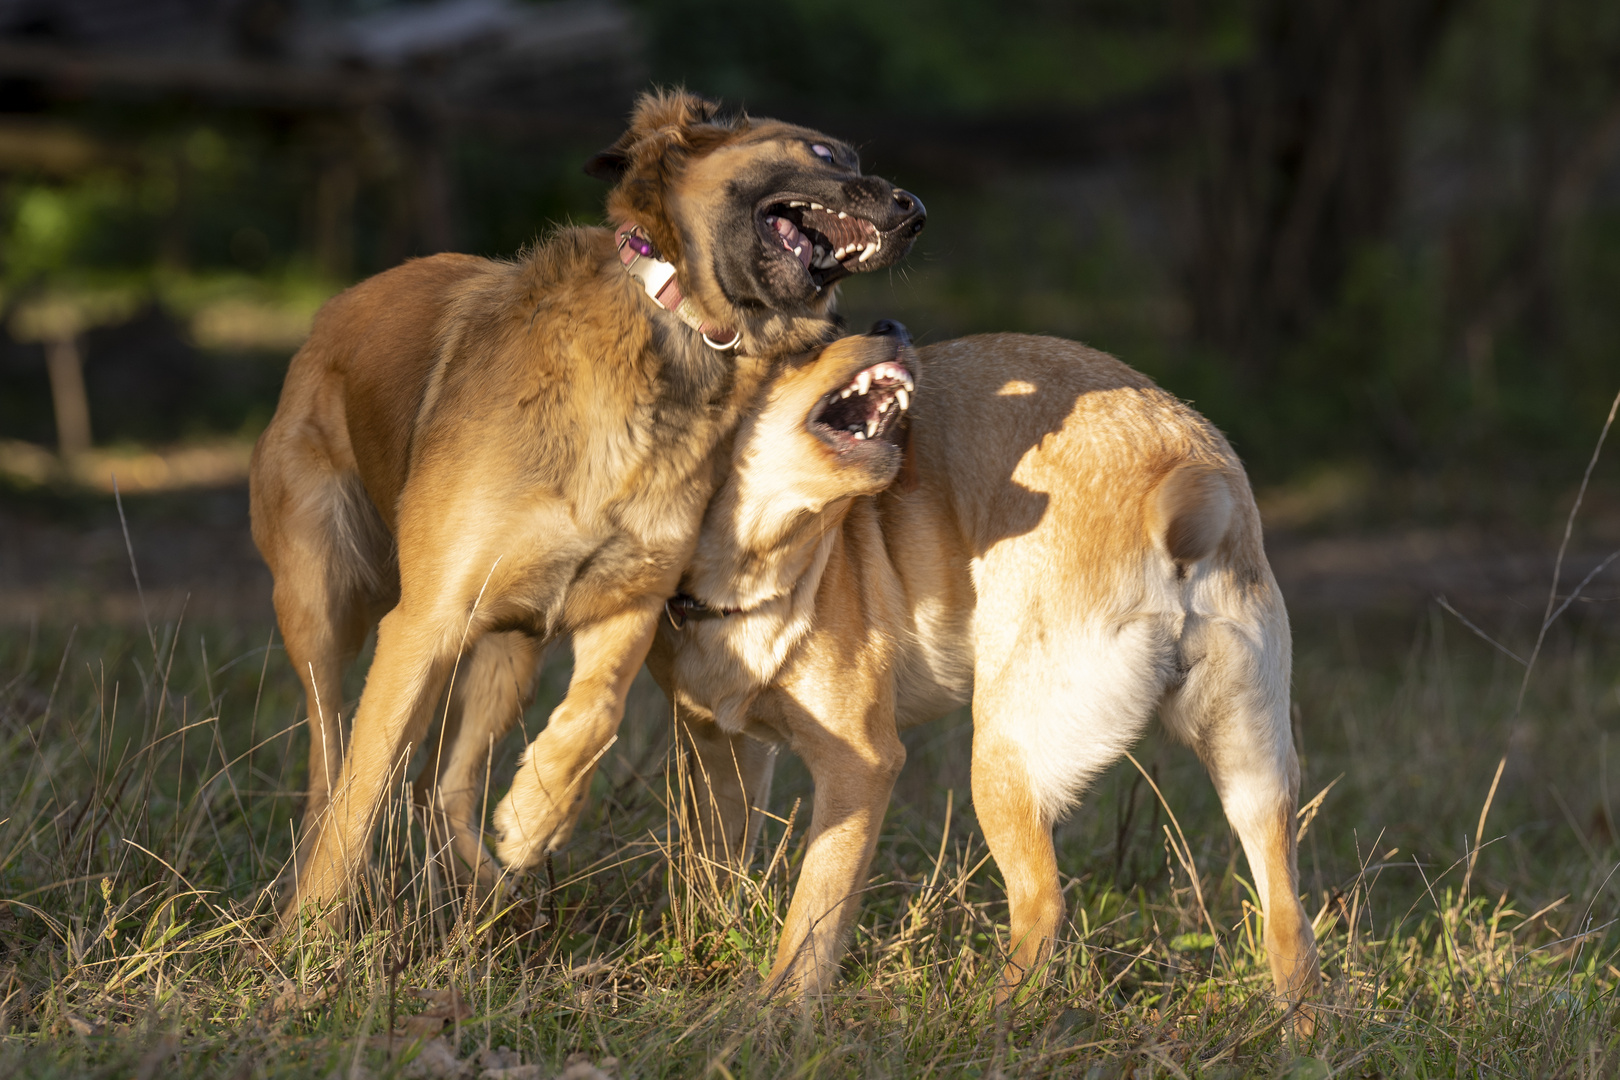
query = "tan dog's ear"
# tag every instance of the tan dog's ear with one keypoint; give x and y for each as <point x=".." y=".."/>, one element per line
<point x="1189" y="512"/>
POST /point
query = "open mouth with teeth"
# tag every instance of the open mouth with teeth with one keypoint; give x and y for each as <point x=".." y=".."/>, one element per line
<point x="867" y="410"/>
<point x="828" y="243"/>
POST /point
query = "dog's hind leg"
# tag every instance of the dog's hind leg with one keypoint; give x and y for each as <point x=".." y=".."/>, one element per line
<point x="1233" y="709"/>
<point x="331" y="559"/>
<point x="728" y="783"/>
<point x="415" y="652"/>
<point x="1020" y="840"/>
<point x="1056" y="701"/>
<point x="493" y="685"/>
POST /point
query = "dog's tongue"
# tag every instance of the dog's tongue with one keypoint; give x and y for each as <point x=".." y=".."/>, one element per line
<point x="793" y="240"/>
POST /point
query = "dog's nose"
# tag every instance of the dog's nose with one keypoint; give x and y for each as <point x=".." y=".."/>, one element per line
<point x="890" y="328"/>
<point x="911" y="206"/>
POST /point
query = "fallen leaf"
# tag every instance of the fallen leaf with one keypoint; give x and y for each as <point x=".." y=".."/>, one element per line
<point x="1307" y="1068"/>
<point x="291" y="999"/>
<point x="499" y="1057"/>
<point x="443" y="1006"/>
<point x="435" y="1061"/>
<point x="579" y="1067"/>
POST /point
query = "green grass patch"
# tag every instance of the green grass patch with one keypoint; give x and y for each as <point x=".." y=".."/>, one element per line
<point x="148" y="786"/>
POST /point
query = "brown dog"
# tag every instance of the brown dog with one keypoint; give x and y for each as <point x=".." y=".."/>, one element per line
<point x="498" y="453"/>
<point x="1071" y="549"/>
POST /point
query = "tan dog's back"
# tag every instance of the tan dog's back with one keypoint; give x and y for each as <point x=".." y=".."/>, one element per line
<point x="1117" y="569"/>
<point x="1072" y="550"/>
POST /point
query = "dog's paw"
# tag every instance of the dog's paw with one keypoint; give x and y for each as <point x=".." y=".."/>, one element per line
<point x="529" y="822"/>
<point x="516" y="846"/>
<point x="528" y="830"/>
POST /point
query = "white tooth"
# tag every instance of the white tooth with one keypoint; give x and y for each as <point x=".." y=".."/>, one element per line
<point x="909" y="384"/>
<point x="795" y="204"/>
<point x="817" y="206"/>
<point x="871" y="250"/>
<point x="903" y="398"/>
<point x="863" y="382"/>
<point x="842" y="215"/>
<point x="871" y="427"/>
<point x="848" y="390"/>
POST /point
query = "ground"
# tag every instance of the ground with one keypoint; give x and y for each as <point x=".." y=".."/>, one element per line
<point x="148" y="783"/>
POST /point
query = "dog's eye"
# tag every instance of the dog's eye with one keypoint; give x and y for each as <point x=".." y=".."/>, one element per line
<point x="822" y="152"/>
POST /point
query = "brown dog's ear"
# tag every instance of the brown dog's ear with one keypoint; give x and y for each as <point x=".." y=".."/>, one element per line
<point x="662" y="119"/>
<point x="666" y="128"/>
<point x="610" y="165"/>
<point x="659" y="111"/>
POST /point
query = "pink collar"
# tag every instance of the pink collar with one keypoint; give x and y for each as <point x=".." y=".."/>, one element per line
<point x="657" y="277"/>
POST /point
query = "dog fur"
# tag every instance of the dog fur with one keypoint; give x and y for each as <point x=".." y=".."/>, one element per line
<point x="1070" y="550"/>
<point x="486" y="455"/>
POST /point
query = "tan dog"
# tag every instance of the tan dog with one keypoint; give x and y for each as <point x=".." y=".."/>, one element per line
<point x="505" y="452"/>
<point x="1070" y="550"/>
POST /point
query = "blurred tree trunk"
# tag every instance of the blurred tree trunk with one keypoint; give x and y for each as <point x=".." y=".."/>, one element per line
<point x="1299" y="159"/>
<point x="1573" y="136"/>
<point x="335" y="191"/>
<point x="68" y="398"/>
<point x="428" y="201"/>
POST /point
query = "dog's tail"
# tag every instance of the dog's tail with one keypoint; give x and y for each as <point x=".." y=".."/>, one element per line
<point x="1190" y="512"/>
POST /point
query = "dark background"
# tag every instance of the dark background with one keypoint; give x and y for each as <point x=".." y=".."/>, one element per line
<point x="1376" y="241"/>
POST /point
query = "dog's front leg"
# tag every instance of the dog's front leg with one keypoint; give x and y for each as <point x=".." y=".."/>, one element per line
<point x="414" y="655"/>
<point x="854" y="768"/>
<point x="548" y="792"/>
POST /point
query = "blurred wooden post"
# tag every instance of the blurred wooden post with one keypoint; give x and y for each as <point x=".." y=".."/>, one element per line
<point x="68" y="397"/>
<point x="335" y="190"/>
<point x="57" y="320"/>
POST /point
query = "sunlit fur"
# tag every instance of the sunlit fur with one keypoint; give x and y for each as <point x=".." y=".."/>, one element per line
<point x="486" y="454"/>
<point x="1071" y="549"/>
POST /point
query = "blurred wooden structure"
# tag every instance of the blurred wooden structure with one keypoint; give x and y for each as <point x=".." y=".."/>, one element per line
<point x="405" y="75"/>
<point x="377" y="90"/>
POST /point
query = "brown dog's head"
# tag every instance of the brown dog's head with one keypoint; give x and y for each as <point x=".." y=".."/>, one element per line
<point x="761" y="219"/>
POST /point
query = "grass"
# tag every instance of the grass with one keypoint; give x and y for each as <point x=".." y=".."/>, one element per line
<point x="149" y="779"/>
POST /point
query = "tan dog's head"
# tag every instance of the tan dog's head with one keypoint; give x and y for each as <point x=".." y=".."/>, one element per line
<point x="760" y="218"/>
<point x="832" y="428"/>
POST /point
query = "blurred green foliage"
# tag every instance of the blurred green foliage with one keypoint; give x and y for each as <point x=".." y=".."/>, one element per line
<point x="940" y="56"/>
<point x="1479" y="331"/>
